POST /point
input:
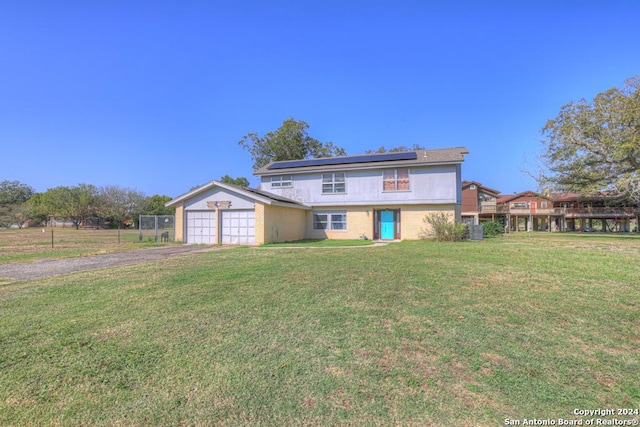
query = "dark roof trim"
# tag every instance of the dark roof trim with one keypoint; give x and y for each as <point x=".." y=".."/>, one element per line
<point x="508" y="198"/>
<point x="479" y="185"/>
<point x="343" y="160"/>
<point x="255" y="194"/>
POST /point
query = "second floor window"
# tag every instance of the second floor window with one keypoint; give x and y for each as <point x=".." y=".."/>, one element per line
<point x="395" y="180"/>
<point x="282" y="181"/>
<point x="333" y="183"/>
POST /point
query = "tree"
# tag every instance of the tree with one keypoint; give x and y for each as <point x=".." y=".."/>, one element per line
<point x="13" y="198"/>
<point x="240" y="181"/>
<point x="36" y="208"/>
<point x="118" y="204"/>
<point x="289" y="142"/>
<point x="400" y="148"/>
<point x="595" y="146"/>
<point x="155" y="205"/>
<point x="70" y="203"/>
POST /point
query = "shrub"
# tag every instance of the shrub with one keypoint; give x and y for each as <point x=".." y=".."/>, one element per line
<point x="439" y="226"/>
<point x="492" y="228"/>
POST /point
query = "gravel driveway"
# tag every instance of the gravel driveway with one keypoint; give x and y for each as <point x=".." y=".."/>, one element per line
<point x="54" y="267"/>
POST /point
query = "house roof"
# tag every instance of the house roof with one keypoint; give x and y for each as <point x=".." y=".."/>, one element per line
<point x="479" y="185"/>
<point x="510" y="197"/>
<point x="253" y="193"/>
<point x="566" y="197"/>
<point x="576" y="197"/>
<point x="366" y="161"/>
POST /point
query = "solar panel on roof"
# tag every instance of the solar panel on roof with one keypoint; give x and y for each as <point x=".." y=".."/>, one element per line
<point x="412" y="155"/>
<point x="270" y="195"/>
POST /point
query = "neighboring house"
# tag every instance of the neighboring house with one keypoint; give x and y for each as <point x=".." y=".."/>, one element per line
<point x="377" y="196"/>
<point x="526" y="211"/>
<point x="529" y="211"/>
<point x="583" y="212"/>
<point x="478" y="203"/>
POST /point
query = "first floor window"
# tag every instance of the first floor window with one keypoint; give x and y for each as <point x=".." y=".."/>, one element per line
<point x="395" y="180"/>
<point x="330" y="220"/>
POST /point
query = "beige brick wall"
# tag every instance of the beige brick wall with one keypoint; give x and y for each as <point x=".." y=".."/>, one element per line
<point x="259" y="221"/>
<point x="413" y="225"/>
<point x="282" y="224"/>
<point x="179" y="222"/>
<point x="279" y="224"/>
<point x="360" y="220"/>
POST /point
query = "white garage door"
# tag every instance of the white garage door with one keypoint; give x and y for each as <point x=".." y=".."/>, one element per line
<point x="201" y="227"/>
<point x="238" y="227"/>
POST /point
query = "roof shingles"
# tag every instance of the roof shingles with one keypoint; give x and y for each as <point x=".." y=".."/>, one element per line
<point x="423" y="157"/>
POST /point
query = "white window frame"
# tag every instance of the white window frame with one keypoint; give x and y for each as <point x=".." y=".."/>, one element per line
<point x="329" y="220"/>
<point x="334" y="183"/>
<point x="282" y="181"/>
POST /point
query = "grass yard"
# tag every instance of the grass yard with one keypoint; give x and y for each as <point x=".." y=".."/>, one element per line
<point x="414" y="333"/>
<point x="320" y="243"/>
<point x="28" y="244"/>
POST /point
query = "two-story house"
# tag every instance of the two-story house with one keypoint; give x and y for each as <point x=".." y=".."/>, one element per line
<point x="530" y="211"/>
<point x="377" y="196"/>
<point x="596" y="212"/>
<point x="478" y="203"/>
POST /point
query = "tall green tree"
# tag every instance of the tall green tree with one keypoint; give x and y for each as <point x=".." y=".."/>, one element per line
<point x="68" y="203"/>
<point x="155" y="205"/>
<point x="290" y="141"/>
<point x="119" y="204"/>
<point x="13" y="206"/>
<point x="595" y="145"/>
<point x="240" y="181"/>
<point x="36" y="208"/>
<point x="397" y="149"/>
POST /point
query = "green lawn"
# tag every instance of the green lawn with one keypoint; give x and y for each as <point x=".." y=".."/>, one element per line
<point x="413" y="333"/>
<point x="320" y="243"/>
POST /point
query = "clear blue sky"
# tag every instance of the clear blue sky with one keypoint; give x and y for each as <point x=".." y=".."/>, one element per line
<point x="155" y="95"/>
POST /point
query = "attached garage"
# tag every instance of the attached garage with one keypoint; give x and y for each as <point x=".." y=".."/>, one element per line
<point x="221" y="213"/>
<point x="239" y="227"/>
<point x="201" y="227"/>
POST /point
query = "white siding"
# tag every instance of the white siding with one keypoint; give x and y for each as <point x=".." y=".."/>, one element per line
<point x="428" y="185"/>
<point x="199" y="202"/>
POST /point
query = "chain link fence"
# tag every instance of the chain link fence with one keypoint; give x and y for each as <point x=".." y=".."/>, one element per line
<point x="159" y="228"/>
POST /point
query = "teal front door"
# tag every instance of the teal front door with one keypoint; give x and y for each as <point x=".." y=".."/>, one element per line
<point x="387" y="225"/>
